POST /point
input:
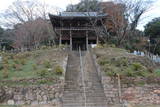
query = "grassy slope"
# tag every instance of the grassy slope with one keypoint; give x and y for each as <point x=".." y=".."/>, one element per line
<point x="29" y="63"/>
<point x="118" y="61"/>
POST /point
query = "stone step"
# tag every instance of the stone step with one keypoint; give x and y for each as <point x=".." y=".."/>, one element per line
<point x="73" y="95"/>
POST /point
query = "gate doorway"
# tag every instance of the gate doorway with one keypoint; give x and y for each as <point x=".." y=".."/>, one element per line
<point x="79" y="42"/>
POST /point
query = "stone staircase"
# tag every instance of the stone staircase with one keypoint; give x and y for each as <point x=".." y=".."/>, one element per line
<point x="74" y="95"/>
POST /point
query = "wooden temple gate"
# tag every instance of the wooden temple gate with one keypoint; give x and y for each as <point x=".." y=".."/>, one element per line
<point x="77" y="29"/>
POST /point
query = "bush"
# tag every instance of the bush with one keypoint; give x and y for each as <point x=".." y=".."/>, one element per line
<point x="34" y="66"/>
<point x="129" y="73"/>
<point x="137" y="66"/>
<point x="141" y="73"/>
<point x="22" y="61"/>
<point x="16" y="61"/>
<point x="111" y="73"/>
<point x="119" y="62"/>
<point x="124" y="61"/>
<point x="47" y="64"/>
<point x="58" y="70"/>
<point x="42" y="73"/>
<point x="42" y="81"/>
<point x="103" y="62"/>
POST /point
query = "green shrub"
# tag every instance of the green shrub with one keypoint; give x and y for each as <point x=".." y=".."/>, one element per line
<point x="58" y="70"/>
<point x="140" y="73"/>
<point x="42" y="73"/>
<point x="107" y="68"/>
<point x="16" y="61"/>
<point x="129" y="73"/>
<point x="34" y="66"/>
<point x="103" y="62"/>
<point x="22" y="61"/>
<point x="137" y="66"/>
<point x="43" y="81"/>
<point x="120" y="62"/>
<point x="111" y="73"/>
<point x="124" y="61"/>
<point x="47" y="64"/>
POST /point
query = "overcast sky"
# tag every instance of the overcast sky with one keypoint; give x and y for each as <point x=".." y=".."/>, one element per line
<point x="154" y="12"/>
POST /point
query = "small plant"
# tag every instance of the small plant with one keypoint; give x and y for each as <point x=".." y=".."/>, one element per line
<point x="137" y="66"/>
<point x="140" y="73"/>
<point x="22" y="61"/>
<point x="5" y="60"/>
<point x="5" y="73"/>
<point x="58" y="70"/>
<point x="47" y="64"/>
<point x="103" y="62"/>
<point x="111" y="73"/>
<point x="119" y="62"/>
<point x="129" y="73"/>
<point x="17" y="67"/>
<point x="124" y="61"/>
<point x="16" y="61"/>
<point x="42" y="73"/>
<point x="34" y="66"/>
<point x="42" y="81"/>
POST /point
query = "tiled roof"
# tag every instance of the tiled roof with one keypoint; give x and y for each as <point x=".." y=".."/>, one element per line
<point x="80" y="14"/>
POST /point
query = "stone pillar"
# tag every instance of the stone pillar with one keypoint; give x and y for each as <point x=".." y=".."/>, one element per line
<point x="70" y="40"/>
<point x="87" y="40"/>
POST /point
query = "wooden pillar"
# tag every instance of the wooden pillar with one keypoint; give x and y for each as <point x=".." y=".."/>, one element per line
<point x="70" y="40"/>
<point x="97" y="40"/>
<point x="87" y="40"/>
<point x="60" y="38"/>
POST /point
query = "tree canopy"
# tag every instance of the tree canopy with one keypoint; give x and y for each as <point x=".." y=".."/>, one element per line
<point x="152" y="29"/>
<point x="84" y="6"/>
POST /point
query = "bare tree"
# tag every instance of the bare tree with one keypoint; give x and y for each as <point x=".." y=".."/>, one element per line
<point x="33" y="33"/>
<point x="24" y="11"/>
<point x="124" y="16"/>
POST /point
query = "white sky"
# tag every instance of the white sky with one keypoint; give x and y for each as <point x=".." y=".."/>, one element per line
<point x="154" y="12"/>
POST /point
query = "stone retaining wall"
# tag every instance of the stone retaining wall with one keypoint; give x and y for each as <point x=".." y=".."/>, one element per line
<point x="34" y="94"/>
<point x="20" y="95"/>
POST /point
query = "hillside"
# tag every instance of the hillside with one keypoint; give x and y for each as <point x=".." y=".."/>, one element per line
<point x="119" y="61"/>
<point x="138" y="84"/>
<point x="31" y="66"/>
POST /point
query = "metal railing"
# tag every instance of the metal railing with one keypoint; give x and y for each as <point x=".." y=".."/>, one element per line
<point x="83" y="77"/>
